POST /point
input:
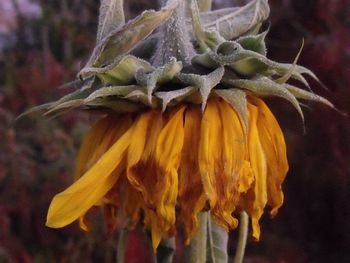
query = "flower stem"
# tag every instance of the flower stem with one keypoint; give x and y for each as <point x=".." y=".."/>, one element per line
<point x="166" y="250"/>
<point x="198" y="246"/>
<point x="174" y="38"/>
<point x="123" y="238"/>
<point x="242" y="239"/>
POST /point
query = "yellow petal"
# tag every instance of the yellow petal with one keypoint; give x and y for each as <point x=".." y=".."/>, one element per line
<point x="132" y="203"/>
<point x="91" y="187"/>
<point x="210" y="150"/>
<point x="258" y="195"/>
<point x="89" y="144"/>
<point x="272" y="140"/>
<point x="168" y="156"/>
<point x="141" y="172"/>
<point x="233" y="141"/>
<point x="234" y="148"/>
<point x="191" y="195"/>
<point x="138" y="141"/>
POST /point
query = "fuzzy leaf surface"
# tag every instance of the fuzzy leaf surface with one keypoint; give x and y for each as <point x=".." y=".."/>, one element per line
<point x="239" y="20"/>
<point x="123" y="39"/>
<point x="111" y="17"/>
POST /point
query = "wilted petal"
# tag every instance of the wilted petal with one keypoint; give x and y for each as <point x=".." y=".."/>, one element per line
<point x="91" y="187"/>
<point x="272" y="141"/>
<point x="210" y="150"/>
<point x="256" y="198"/>
<point x="191" y="195"/>
<point x="168" y="156"/>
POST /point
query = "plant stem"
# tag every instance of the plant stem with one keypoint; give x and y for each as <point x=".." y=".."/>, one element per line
<point x="174" y="39"/>
<point x="198" y="247"/>
<point x="166" y="250"/>
<point x="242" y="239"/>
<point x="123" y="238"/>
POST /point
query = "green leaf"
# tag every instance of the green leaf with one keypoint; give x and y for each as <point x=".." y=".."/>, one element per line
<point x="248" y="67"/>
<point x="177" y="95"/>
<point x="111" y="17"/>
<point x="306" y="95"/>
<point x="141" y="96"/>
<point x="68" y="105"/>
<point x="204" y="83"/>
<point x="254" y="43"/>
<point x="117" y="105"/>
<point x="238" y="100"/>
<point x="266" y="87"/>
<point x="35" y="109"/>
<point x="71" y="100"/>
<point x="217" y="243"/>
<point x="112" y="91"/>
<point x="249" y="63"/>
<point x="290" y="72"/>
<point x="123" y="39"/>
<point x="120" y="72"/>
<point x="205" y="60"/>
<point x="204" y="38"/>
<point x="158" y="76"/>
<point x="240" y="20"/>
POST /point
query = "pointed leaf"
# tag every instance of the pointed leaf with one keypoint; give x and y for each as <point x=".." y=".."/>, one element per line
<point x="120" y="72"/>
<point x="73" y="99"/>
<point x="141" y="96"/>
<point x="241" y="20"/>
<point x="290" y="72"/>
<point x="122" y="40"/>
<point x="178" y="95"/>
<point x="306" y="95"/>
<point x="158" y="76"/>
<point x="68" y="105"/>
<point x="238" y="100"/>
<point x="205" y="39"/>
<point x="35" y="109"/>
<point x="204" y="83"/>
<point x="210" y="17"/>
<point x="117" y="105"/>
<point x="111" y="91"/>
<point x="254" y="43"/>
<point x="266" y="87"/>
<point x="111" y="17"/>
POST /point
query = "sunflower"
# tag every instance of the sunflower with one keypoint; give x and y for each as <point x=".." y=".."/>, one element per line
<point x="184" y="127"/>
<point x="168" y="166"/>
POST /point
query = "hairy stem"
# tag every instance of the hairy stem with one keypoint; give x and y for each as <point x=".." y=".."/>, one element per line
<point x="166" y="250"/>
<point x="174" y="39"/>
<point x="198" y="247"/>
<point x="242" y="239"/>
<point x="123" y="238"/>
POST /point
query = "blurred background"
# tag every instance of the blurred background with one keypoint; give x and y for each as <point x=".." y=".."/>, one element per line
<point x="43" y="43"/>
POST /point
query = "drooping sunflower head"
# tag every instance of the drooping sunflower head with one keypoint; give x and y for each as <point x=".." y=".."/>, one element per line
<point x="166" y="167"/>
<point x="185" y="129"/>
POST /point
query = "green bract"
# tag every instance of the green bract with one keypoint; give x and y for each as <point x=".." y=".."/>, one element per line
<point x="182" y="53"/>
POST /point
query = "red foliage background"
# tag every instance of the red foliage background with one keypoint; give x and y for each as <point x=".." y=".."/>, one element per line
<point x="36" y="154"/>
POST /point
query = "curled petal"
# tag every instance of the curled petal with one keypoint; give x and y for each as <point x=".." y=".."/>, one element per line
<point x="256" y="198"/>
<point x="272" y="141"/>
<point x="191" y="196"/>
<point x="91" y="187"/>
